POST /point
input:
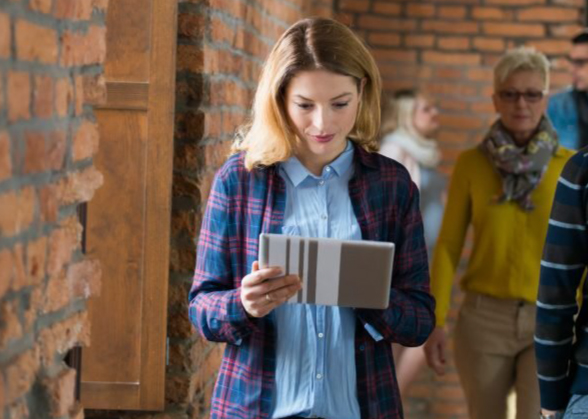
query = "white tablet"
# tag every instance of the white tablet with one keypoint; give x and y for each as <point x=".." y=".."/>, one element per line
<point x="348" y="273"/>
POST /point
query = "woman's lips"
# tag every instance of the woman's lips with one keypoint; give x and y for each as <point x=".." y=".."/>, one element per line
<point x="323" y="138"/>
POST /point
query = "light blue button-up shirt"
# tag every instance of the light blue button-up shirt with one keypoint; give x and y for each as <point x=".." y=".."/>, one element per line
<point x="315" y="353"/>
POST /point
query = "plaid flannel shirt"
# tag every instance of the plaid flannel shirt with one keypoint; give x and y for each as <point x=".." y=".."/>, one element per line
<point x="242" y="204"/>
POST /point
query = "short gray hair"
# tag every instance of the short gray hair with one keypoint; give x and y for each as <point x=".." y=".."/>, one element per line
<point x="521" y="59"/>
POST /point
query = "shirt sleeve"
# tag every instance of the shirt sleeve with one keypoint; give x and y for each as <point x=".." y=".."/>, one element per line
<point x="215" y="304"/>
<point x="562" y="267"/>
<point x="409" y="319"/>
<point x="451" y="238"/>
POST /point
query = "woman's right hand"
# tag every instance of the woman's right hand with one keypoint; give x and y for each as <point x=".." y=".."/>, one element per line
<point x="263" y="290"/>
<point x="435" y="350"/>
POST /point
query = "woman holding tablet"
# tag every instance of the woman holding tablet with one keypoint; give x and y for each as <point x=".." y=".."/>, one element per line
<point x="306" y="166"/>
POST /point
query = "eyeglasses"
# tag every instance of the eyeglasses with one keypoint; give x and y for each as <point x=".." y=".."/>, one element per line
<point x="513" y="96"/>
<point x="578" y="62"/>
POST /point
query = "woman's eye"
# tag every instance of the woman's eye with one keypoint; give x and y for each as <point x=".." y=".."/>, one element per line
<point x="304" y="106"/>
<point x="340" y="105"/>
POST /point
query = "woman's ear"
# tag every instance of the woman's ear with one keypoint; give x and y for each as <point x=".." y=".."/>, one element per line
<point x="362" y="84"/>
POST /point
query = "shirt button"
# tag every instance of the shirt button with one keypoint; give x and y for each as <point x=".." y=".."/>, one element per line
<point x="319" y="376"/>
<point x="322" y="182"/>
<point x="328" y="168"/>
<point x="320" y="335"/>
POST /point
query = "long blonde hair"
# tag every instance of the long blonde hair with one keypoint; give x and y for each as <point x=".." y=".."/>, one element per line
<point x="309" y="44"/>
<point x="398" y="112"/>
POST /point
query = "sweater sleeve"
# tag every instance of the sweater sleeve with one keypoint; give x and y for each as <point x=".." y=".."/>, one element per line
<point x="562" y="266"/>
<point x="451" y="238"/>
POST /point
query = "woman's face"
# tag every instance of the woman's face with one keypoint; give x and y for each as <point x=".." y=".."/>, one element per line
<point x="521" y="103"/>
<point x="322" y="107"/>
<point x="425" y="117"/>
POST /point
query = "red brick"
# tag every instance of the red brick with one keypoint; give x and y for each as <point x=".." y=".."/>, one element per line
<point x="19" y="96"/>
<point x="491" y="13"/>
<point x="35" y="42"/>
<point x="384" y="39"/>
<point x="2" y="392"/>
<point x="84" y="278"/>
<point x="6" y="272"/>
<point x="432" y="57"/>
<point x="577" y="3"/>
<point x="59" y="338"/>
<point x="420" y="10"/>
<point x="5" y="35"/>
<point x="10" y="327"/>
<point x="35" y="153"/>
<point x="101" y="5"/>
<point x="565" y="31"/>
<point x="461" y="122"/>
<point x="56" y="294"/>
<point x="481" y="74"/>
<point x="5" y="159"/>
<point x="452" y="105"/>
<point x="386" y="8"/>
<point x="189" y="57"/>
<point x="73" y="9"/>
<point x="451" y="89"/>
<point x="19" y="279"/>
<point x="455" y="43"/>
<point x="79" y="95"/>
<point x="16" y="211"/>
<point x="402" y="55"/>
<point x="80" y="186"/>
<point x="489" y="44"/>
<point x="516" y="2"/>
<point x="20" y="374"/>
<point x="63" y="96"/>
<point x="450" y="27"/>
<point x="72" y="48"/>
<point x="94" y="45"/>
<point x="56" y="148"/>
<point x="354" y="5"/>
<point x="43" y="6"/>
<point x="448" y="73"/>
<point x="514" y="29"/>
<point x="452" y="12"/>
<point x="385" y="23"/>
<point x="548" y="14"/>
<point x="552" y="46"/>
<point x="191" y="26"/>
<point x="94" y="89"/>
<point x="49" y="203"/>
<point x="36" y="260"/>
<point x="43" y="96"/>
<point x="419" y="41"/>
<point x="85" y="141"/>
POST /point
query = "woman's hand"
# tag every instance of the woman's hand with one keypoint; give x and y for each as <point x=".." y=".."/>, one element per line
<point x="262" y="290"/>
<point x="435" y="349"/>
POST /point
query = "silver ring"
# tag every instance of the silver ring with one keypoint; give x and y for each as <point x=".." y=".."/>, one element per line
<point x="267" y="297"/>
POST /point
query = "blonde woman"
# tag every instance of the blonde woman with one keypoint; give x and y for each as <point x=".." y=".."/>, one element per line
<point x="503" y="188"/>
<point x="409" y="121"/>
<point x="306" y="166"/>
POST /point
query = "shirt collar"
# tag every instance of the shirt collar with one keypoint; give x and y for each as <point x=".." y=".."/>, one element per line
<point x="297" y="173"/>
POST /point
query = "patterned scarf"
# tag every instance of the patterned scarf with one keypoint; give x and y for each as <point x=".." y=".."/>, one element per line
<point x="521" y="168"/>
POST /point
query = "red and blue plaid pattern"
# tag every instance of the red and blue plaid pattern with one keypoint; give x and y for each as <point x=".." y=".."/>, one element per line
<point x="242" y="204"/>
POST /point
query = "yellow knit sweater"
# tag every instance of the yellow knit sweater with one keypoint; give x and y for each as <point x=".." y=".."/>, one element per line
<point x="508" y="241"/>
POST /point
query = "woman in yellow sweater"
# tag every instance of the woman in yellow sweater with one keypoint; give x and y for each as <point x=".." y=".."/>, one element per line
<point x="503" y="188"/>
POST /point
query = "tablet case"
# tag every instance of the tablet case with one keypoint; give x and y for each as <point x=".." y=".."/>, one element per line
<point x="349" y="273"/>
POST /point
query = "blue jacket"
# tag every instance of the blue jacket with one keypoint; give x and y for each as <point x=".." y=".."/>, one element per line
<point x="563" y="114"/>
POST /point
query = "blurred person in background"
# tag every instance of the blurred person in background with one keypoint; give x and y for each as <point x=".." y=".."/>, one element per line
<point x="568" y="109"/>
<point x="409" y="120"/>
<point x="503" y="188"/>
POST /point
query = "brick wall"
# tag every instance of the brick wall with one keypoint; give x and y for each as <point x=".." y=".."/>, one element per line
<point x="51" y="53"/>
<point x="448" y="47"/>
<point x="221" y="48"/>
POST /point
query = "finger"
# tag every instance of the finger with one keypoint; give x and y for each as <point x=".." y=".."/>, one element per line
<point x="255" y="266"/>
<point x="283" y="282"/>
<point x="261" y="275"/>
<point x="280" y="296"/>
